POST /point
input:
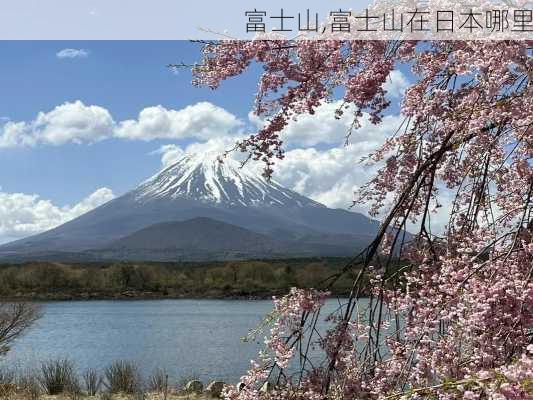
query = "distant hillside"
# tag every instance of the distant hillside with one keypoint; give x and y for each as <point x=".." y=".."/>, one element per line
<point x="208" y="239"/>
<point x="195" y="236"/>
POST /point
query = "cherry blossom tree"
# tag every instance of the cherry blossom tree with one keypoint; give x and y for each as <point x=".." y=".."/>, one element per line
<point x="456" y="321"/>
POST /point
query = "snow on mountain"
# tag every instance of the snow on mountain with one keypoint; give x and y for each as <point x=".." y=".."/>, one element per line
<point x="206" y="179"/>
<point x="196" y="188"/>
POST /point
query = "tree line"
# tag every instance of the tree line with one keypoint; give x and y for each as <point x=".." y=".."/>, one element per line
<point x="261" y="278"/>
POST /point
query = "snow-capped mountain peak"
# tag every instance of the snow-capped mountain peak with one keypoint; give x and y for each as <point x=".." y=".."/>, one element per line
<point x="197" y="209"/>
<point x="207" y="179"/>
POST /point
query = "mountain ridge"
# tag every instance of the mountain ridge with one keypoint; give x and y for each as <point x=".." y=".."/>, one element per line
<point x="200" y="186"/>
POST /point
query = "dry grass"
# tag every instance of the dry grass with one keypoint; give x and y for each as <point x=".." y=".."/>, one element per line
<point x="57" y="380"/>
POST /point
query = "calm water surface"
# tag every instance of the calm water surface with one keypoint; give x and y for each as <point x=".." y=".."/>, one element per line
<point x="198" y="338"/>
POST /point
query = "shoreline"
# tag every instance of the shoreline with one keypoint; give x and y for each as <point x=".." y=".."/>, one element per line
<point x="140" y="296"/>
<point x="243" y="280"/>
<point x="129" y="296"/>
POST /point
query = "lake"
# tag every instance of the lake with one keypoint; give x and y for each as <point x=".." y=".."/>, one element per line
<point x="200" y="338"/>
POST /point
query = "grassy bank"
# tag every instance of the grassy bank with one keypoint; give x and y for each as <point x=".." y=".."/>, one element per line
<point x="128" y="280"/>
<point x="59" y="379"/>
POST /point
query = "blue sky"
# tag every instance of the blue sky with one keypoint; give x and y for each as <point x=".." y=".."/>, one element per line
<point x="71" y="136"/>
<point x="123" y="77"/>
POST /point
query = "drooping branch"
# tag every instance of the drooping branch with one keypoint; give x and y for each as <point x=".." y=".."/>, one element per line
<point x="15" y="320"/>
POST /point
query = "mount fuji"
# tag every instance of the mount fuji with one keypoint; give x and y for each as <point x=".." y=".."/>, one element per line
<point x="202" y="209"/>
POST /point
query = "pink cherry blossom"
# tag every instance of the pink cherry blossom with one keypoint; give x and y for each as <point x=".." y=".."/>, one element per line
<point x="453" y="318"/>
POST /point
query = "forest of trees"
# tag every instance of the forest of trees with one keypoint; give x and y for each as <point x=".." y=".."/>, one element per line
<point x="45" y="280"/>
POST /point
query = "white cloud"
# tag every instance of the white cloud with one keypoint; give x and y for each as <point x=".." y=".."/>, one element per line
<point x="23" y="214"/>
<point x="16" y="134"/>
<point x="327" y="176"/>
<point x="171" y="153"/>
<point x="322" y="128"/>
<point x="73" y="122"/>
<point x="319" y="165"/>
<point x="79" y="123"/>
<point x="72" y="53"/>
<point x="69" y="122"/>
<point x="201" y="121"/>
<point x="396" y="84"/>
<point x="333" y="176"/>
<point x="95" y="199"/>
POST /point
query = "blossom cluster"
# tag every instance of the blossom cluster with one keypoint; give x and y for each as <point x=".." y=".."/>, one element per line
<point x="456" y="321"/>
